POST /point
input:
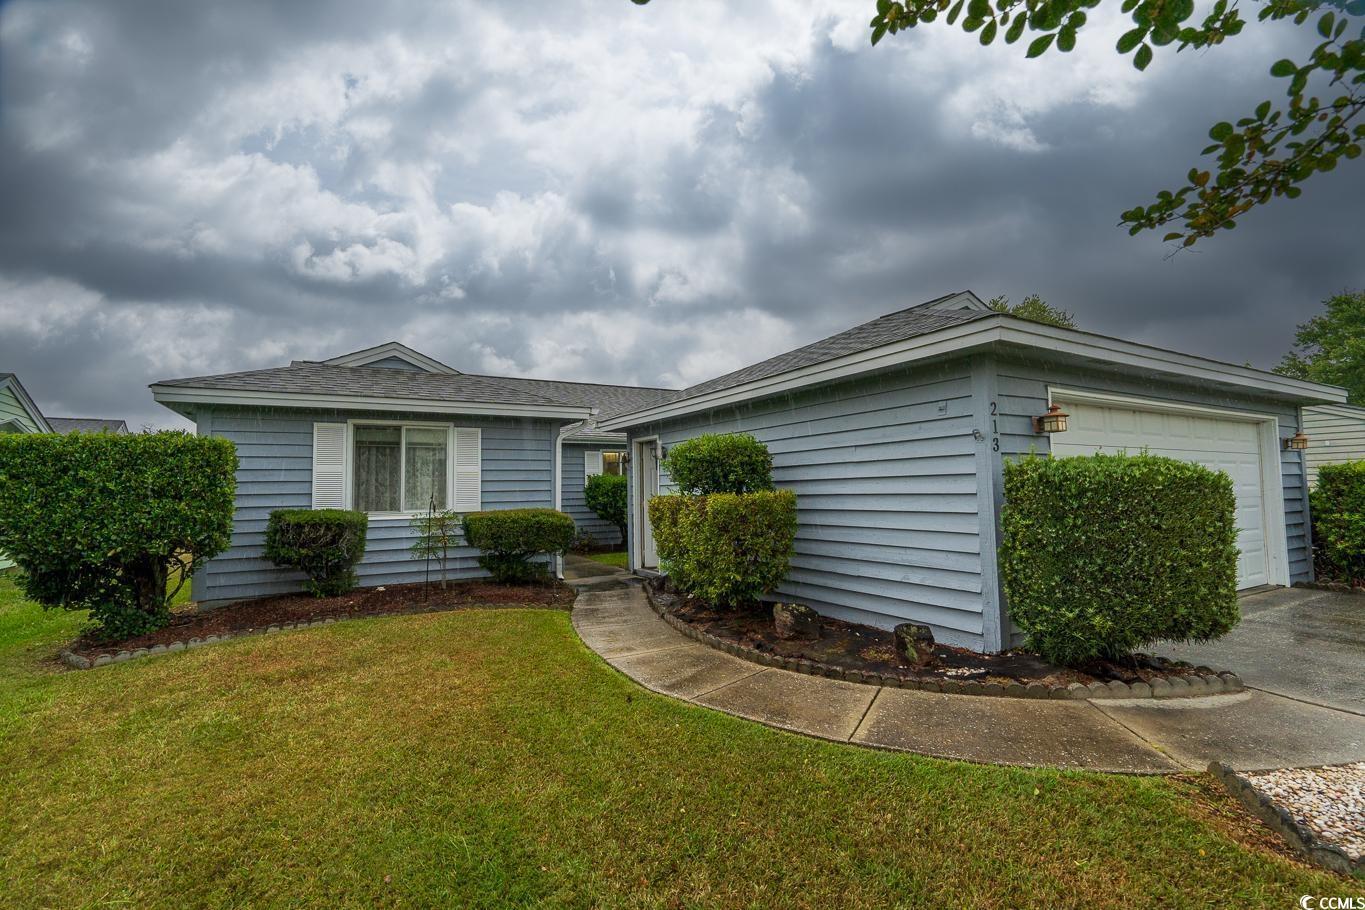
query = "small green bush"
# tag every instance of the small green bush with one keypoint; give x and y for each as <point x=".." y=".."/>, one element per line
<point x="324" y="544"/>
<point x="605" y="494"/>
<point x="511" y="538"/>
<point x="727" y="549"/>
<point x="1104" y="554"/>
<point x="114" y="524"/>
<point x="1337" y="503"/>
<point x="720" y="463"/>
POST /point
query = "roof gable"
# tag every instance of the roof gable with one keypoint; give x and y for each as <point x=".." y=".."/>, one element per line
<point x="392" y="355"/>
<point x="9" y="382"/>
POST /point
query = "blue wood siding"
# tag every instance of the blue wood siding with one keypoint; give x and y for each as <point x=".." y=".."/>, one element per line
<point x="884" y="469"/>
<point x="275" y="470"/>
<point x="1022" y="392"/>
<point x="573" y="481"/>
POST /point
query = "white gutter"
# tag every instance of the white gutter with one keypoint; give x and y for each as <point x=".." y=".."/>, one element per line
<point x="170" y="395"/>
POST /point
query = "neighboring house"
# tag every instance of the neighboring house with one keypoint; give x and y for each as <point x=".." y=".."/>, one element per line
<point x="391" y="431"/>
<point x="893" y="435"/>
<point x="18" y="413"/>
<point x="66" y="425"/>
<point x="1336" y="434"/>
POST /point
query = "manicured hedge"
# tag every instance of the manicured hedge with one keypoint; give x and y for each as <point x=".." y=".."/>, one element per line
<point x="511" y="538"/>
<point x="1104" y="554"/>
<point x="727" y="549"/>
<point x="605" y="494"/>
<point x="720" y="463"/>
<point x="102" y="522"/>
<point x="324" y="544"/>
<point x="1337" y="503"/>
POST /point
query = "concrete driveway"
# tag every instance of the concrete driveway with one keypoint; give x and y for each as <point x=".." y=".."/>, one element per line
<point x="1302" y="644"/>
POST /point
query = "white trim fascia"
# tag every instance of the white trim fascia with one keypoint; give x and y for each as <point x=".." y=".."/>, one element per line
<point x="21" y="394"/>
<point x="167" y="395"/>
<point x="618" y="439"/>
<point x="559" y="483"/>
<point x="980" y="333"/>
<point x="1272" y="476"/>
<point x="391" y="349"/>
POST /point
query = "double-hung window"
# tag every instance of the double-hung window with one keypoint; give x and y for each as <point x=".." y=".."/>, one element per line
<point x="390" y="468"/>
<point x="399" y="468"/>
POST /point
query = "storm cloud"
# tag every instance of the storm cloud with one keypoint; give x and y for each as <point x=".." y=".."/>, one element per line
<point x="598" y="191"/>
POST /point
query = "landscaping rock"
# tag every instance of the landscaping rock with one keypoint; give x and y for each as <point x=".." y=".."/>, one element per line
<point x="915" y="643"/>
<point x="796" y="622"/>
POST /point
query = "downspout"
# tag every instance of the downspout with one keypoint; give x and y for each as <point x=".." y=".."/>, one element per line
<point x="565" y="431"/>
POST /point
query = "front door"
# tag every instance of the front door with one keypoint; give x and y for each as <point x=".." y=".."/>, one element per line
<point x="647" y="487"/>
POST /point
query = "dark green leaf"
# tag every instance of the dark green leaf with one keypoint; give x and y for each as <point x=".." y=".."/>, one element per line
<point x="1220" y="131"/>
<point x="1282" y="68"/>
<point x="1039" y="45"/>
<point x="1066" y="40"/>
<point x="988" y="33"/>
<point x="1143" y="57"/>
<point x="1131" y="39"/>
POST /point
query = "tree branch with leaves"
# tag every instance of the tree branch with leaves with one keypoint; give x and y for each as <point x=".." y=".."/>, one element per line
<point x="1262" y="156"/>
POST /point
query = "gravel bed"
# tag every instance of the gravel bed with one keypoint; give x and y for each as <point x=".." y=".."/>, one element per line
<point x="1330" y="802"/>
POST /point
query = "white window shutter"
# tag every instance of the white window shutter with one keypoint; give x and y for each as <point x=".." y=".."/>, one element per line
<point x="329" y="465"/>
<point x="468" y="454"/>
<point x="592" y="465"/>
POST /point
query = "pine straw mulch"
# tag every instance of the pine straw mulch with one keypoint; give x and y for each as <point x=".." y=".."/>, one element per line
<point x="387" y="600"/>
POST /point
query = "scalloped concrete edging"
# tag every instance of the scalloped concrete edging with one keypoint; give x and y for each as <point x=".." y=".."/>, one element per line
<point x="1303" y="840"/>
<point x="1204" y="684"/>
<point x="80" y="662"/>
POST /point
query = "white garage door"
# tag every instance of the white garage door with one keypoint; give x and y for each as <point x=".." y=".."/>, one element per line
<point x="1226" y="445"/>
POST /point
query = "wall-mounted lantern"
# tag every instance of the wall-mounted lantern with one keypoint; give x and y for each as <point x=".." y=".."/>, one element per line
<point x="663" y="451"/>
<point x="1296" y="443"/>
<point x="1054" y="421"/>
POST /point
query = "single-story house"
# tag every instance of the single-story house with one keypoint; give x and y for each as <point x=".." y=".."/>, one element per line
<point x="19" y="414"/>
<point x="1336" y="434"/>
<point x="392" y="432"/>
<point x="893" y="435"/>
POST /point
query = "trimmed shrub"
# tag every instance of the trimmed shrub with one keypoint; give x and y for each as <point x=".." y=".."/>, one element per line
<point x="324" y="544"/>
<point x="1338" y="506"/>
<point x="114" y="524"/>
<point x="605" y="494"/>
<point x="1106" y="553"/>
<point x="511" y="538"/>
<point x="720" y="463"/>
<point x="727" y="549"/>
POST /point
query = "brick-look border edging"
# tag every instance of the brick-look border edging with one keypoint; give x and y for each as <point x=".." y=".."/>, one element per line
<point x="1300" y="837"/>
<point x="1337" y="587"/>
<point x="1161" y="687"/>
<point x="80" y="662"/>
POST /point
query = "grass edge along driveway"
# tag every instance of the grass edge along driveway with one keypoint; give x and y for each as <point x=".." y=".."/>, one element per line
<point x="488" y="759"/>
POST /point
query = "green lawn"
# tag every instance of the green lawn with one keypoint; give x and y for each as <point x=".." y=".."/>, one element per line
<point x="620" y="560"/>
<point x="488" y="759"/>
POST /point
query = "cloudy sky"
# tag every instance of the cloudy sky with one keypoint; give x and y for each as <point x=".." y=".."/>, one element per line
<point x="598" y="191"/>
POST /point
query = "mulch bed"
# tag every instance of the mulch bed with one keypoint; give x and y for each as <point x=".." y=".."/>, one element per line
<point x="388" y="600"/>
<point x="853" y="646"/>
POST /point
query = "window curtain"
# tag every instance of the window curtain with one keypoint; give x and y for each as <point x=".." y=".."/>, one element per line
<point x="377" y="467"/>
<point x="425" y="473"/>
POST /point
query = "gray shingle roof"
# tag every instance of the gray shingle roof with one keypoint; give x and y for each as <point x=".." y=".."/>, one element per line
<point x="87" y="425"/>
<point x="899" y="326"/>
<point x="308" y="377"/>
<point x="609" y="399"/>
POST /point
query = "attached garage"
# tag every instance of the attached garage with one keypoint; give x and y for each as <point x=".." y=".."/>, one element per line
<point x="1244" y="446"/>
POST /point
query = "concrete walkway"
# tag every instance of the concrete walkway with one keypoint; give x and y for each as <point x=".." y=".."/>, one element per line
<point x="1248" y="731"/>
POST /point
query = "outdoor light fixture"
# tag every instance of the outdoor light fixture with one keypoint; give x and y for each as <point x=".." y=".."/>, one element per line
<point x="1296" y="443"/>
<point x="663" y="451"/>
<point x="1054" y="421"/>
